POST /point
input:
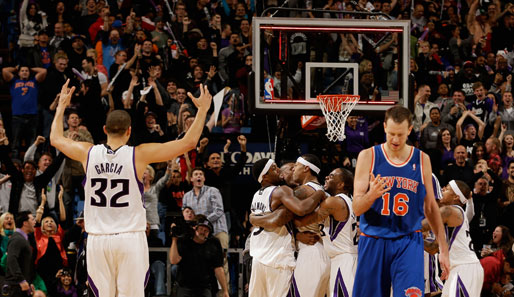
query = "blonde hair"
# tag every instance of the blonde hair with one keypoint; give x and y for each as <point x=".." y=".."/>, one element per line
<point x="364" y="65"/>
<point x="43" y="223"/>
<point x="2" y="219"/>
<point x="151" y="171"/>
<point x="92" y="50"/>
<point x="60" y="55"/>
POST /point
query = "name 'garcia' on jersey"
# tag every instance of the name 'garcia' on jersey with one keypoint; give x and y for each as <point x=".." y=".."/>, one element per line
<point x="108" y="168"/>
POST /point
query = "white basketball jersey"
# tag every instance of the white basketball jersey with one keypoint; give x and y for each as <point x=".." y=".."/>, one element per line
<point x="314" y="227"/>
<point x="113" y="194"/>
<point x="274" y="248"/>
<point x="341" y="237"/>
<point x="459" y="242"/>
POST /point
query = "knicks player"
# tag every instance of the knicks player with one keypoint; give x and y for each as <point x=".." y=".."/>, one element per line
<point x="117" y="250"/>
<point x="466" y="274"/>
<point x="392" y="190"/>
<point x="312" y="273"/>
<point x="339" y="233"/>
<point x="272" y="247"/>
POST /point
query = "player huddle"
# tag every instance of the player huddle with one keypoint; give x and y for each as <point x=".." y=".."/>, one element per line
<point x="394" y="203"/>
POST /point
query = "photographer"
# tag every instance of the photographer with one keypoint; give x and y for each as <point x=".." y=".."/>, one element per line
<point x="197" y="257"/>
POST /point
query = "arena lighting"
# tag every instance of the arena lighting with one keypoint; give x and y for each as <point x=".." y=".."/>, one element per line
<point x="302" y="101"/>
<point x="330" y="29"/>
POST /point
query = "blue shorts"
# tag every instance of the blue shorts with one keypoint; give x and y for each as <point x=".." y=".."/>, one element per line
<point x="387" y="262"/>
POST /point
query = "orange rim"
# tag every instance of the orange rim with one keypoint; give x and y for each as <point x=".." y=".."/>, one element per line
<point x="334" y="103"/>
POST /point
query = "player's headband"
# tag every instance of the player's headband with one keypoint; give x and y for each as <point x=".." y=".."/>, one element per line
<point x="457" y="191"/>
<point x="265" y="169"/>
<point x="308" y="164"/>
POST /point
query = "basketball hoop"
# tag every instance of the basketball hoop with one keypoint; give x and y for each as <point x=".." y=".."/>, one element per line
<point x="336" y="109"/>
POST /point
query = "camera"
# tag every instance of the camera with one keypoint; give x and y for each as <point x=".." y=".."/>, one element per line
<point x="182" y="228"/>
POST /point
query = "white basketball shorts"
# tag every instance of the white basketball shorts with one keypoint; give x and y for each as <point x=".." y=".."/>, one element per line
<point x="342" y="275"/>
<point x="464" y="280"/>
<point x="312" y="273"/>
<point x="117" y="264"/>
<point x="266" y="281"/>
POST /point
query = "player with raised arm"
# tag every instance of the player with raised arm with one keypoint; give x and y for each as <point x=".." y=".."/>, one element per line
<point x="272" y="245"/>
<point x="392" y="194"/>
<point x="115" y="217"/>
<point x="339" y="234"/>
<point x="466" y="275"/>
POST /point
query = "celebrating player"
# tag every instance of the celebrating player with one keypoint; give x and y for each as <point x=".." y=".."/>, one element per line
<point x="340" y="231"/>
<point x="466" y="274"/>
<point x="272" y="248"/>
<point x="115" y="218"/>
<point x="392" y="189"/>
<point x="312" y="272"/>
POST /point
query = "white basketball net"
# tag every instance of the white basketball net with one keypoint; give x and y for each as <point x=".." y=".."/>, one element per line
<point x="336" y="109"/>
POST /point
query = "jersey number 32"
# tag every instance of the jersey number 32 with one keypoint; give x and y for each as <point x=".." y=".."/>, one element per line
<point x="100" y="200"/>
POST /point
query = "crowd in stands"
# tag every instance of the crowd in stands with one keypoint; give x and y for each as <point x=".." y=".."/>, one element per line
<point x="145" y="56"/>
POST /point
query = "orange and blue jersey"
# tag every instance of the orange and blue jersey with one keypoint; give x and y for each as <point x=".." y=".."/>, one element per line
<point x="400" y="210"/>
<point x="391" y="243"/>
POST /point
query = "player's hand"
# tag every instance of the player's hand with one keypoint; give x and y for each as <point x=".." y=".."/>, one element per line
<point x="308" y="238"/>
<point x="444" y="263"/>
<point x="65" y="96"/>
<point x="377" y="186"/>
<point x="204" y="101"/>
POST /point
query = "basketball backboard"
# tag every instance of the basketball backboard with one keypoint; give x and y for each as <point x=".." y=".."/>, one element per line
<point x="366" y="57"/>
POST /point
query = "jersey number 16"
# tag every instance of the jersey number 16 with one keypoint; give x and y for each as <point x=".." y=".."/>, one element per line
<point x="400" y="206"/>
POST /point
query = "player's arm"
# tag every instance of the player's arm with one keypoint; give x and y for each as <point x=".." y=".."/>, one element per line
<point x="277" y="218"/>
<point x="75" y="150"/>
<point x="148" y="153"/>
<point x="449" y="215"/>
<point x="362" y="197"/>
<point x="330" y="206"/>
<point x="297" y="206"/>
<point x="434" y="217"/>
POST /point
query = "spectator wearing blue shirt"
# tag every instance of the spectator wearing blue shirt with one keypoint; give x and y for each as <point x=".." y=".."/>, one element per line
<point x="42" y="54"/>
<point x="24" y="91"/>
<point x="207" y="200"/>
